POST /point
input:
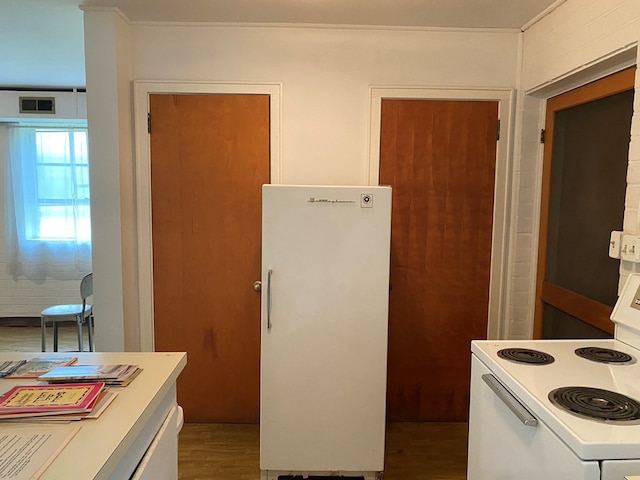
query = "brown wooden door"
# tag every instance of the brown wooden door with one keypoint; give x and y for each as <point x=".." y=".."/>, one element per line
<point x="583" y="193"/>
<point x="439" y="157"/>
<point x="209" y="158"/>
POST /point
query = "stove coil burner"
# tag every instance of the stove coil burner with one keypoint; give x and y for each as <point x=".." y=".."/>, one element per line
<point x="524" y="355"/>
<point x="597" y="404"/>
<point x="604" y="355"/>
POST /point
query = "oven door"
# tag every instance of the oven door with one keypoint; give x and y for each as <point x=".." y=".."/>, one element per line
<point x="507" y="442"/>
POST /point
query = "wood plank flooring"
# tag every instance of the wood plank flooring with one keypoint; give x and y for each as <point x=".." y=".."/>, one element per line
<point x="27" y="339"/>
<point x="414" y="451"/>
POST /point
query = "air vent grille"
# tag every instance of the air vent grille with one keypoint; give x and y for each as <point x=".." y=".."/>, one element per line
<point x="43" y="105"/>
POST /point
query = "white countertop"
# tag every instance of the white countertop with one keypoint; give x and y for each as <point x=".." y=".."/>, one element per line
<point x="104" y="444"/>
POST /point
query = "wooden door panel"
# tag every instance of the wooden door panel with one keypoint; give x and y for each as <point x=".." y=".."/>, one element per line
<point x="209" y="158"/>
<point x="439" y="157"/>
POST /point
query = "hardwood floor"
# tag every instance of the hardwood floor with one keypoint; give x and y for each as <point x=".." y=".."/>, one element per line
<point x="220" y="451"/>
<point x="27" y="339"/>
<point x="414" y="451"/>
<point x="426" y="451"/>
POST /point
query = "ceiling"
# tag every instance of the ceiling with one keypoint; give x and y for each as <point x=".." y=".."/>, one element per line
<point x="41" y="41"/>
<point x="405" y="13"/>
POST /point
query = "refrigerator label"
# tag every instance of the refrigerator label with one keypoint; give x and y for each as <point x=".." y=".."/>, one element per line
<point x="328" y="200"/>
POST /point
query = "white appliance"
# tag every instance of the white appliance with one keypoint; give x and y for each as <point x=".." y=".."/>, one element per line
<point x="325" y="288"/>
<point x="533" y="420"/>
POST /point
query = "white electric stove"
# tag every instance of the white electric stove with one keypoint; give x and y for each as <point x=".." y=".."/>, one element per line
<point x="533" y="404"/>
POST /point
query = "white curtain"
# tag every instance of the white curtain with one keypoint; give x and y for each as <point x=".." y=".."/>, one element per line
<point x="47" y="204"/>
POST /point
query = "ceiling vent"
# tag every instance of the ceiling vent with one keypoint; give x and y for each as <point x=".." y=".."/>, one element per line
<point x="38" y="105"/>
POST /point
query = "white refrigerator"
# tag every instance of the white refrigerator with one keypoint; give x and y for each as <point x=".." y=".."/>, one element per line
<point x="325" y="292"/>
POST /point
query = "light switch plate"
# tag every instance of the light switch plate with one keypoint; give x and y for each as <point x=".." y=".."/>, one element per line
<point x="630" y="248"/>
<point x="614" y="244"/>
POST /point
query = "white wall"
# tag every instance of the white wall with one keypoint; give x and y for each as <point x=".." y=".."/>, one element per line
<point x="577" y="34"/>
<point x="109" y="119"/>
<point x="580" y="41"/>
<point x="326" y="74"/>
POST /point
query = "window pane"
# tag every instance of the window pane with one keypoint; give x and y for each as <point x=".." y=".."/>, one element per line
<point x="62" y="186"/>
<point x="65" y="223"/>
<point x="52" y="147"/>
<point x="82" y="182"/>
<point x="80" y="148"/>
<point x="54" y="182"/>
<point x="84" y="224"/>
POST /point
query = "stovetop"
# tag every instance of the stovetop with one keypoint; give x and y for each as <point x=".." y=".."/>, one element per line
<point x="531" y="384"/>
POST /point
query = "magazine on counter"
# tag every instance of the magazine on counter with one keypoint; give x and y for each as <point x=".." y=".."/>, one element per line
<point x="10" y="366"/>
<point x="35" y="367"/>
<point x="112" y="375"/>
<point x="105" y="399"/>
<point x="50" y="399"/>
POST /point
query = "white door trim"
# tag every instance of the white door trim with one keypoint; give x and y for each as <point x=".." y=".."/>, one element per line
<point x="141" y="91"/>
<point x="499" y="247"/>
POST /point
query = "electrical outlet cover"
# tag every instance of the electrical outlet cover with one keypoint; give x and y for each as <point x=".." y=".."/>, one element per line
<point x="614" y="244"/>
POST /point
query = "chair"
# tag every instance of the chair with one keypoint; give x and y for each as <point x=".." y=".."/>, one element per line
<point x="70" y="313"/>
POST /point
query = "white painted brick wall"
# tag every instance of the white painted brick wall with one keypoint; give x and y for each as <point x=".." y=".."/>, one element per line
<point x="576" y="34"/>
<point x="524" y="216"/>
<point x="631" y="222"/>
<point x="22" y="297"/>
<point x="579" y="34"/>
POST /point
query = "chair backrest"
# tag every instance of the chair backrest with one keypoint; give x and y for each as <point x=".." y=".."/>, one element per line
<point x="86" y="286"/>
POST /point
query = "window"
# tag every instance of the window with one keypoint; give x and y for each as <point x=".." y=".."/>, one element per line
<point x="49" y="227"/>
<point x="62" y="186"/>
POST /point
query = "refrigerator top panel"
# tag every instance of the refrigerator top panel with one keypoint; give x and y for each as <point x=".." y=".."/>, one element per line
<point x="333" y="195"/>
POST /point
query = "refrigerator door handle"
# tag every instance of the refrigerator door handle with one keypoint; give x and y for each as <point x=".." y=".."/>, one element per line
<point x="269" y="273"/>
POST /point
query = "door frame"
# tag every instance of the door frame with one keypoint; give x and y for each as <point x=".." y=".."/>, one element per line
<point x="585" y="309"/>
<point x="501" y="207"/>
<point x="142" y="89"/>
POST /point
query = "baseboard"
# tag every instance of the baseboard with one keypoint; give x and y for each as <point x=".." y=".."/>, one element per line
<point x="19" y="321"/>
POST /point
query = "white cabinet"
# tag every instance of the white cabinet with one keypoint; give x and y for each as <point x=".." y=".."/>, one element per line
<point x="161" y="460"/>
<point x="136" y="437"/>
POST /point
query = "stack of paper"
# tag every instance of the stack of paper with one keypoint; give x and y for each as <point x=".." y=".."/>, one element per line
<point x="10" y="366"/>
<point x="38" y="366"/>
<point x="27" y="450"/>
<point x="31" y="401"/>
<point x="113" y="375"/>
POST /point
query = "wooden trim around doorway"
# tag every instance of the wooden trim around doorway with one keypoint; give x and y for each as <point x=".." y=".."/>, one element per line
<point x="587" y="310"/>
<point x="501" y="211"/>
<point x="611" y="85"/>
<point x="142" y="89"/>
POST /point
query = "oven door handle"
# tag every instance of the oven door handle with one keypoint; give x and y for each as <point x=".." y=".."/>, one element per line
<point x="510" y="401"/>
